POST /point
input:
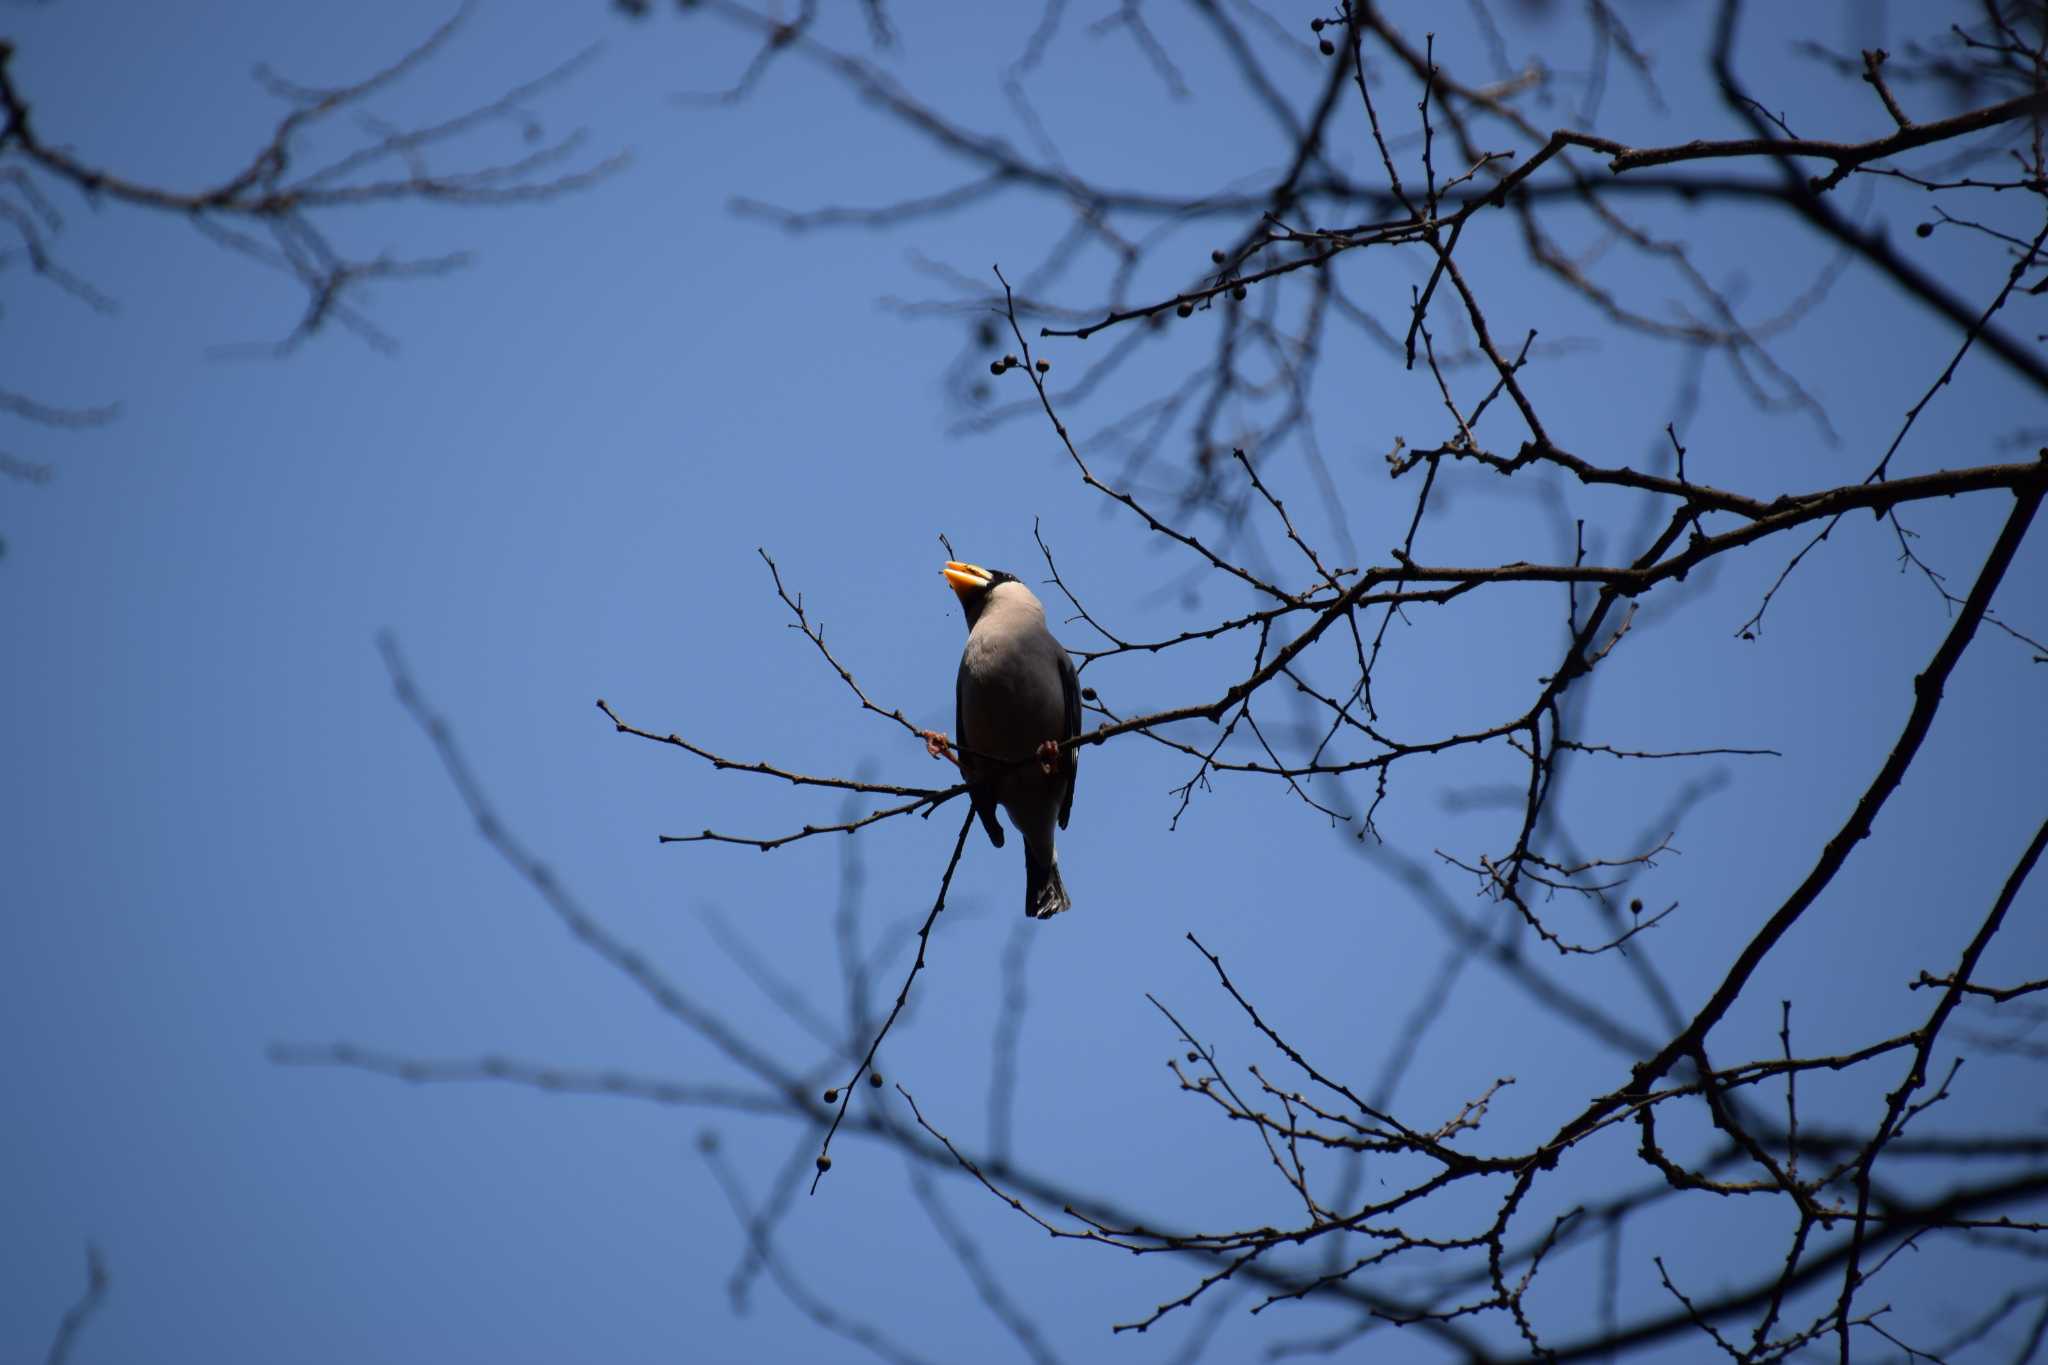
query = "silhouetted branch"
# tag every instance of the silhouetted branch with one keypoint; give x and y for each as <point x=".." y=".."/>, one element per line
<point x="76" y="1316"/>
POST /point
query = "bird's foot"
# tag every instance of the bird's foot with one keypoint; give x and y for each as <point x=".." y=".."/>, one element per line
<point x="937" y="745"/>
<point x="1049" y="757"/>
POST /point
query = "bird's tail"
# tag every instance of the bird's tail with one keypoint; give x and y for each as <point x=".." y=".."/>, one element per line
<point x="1045" y="894"/>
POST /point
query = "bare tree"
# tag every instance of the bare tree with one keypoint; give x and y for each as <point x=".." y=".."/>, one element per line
<point x="328" y="153"/>
<point x="1836" y="1162"/>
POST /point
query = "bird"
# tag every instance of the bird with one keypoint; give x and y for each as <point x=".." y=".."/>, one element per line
<point x="1017" y="697"/>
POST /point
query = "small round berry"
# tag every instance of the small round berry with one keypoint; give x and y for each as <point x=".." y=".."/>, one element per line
<point x="875" y="1079"/>
<point x="1329" y="48"/>
<point x="1186" y="310"/>
<point x="824" y="1162"/>
<point x="996" y="367"/>
<point x="1237" y="292"/>
<point x="1216" y="257"/>
<point x="832" y="1095"/>
<point x="1924" y="230"/>
<point x="1044" y="365"/>
<point x="1315" y="25"/>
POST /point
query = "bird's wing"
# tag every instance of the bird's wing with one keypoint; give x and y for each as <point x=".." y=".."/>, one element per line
<point x="1070" y="688"/>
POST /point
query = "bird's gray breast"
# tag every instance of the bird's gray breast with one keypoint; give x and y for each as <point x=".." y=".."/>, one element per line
<point x="1010" y="695"/>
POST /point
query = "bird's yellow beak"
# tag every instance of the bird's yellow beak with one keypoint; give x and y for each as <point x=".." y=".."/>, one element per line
<point x="965" y="578"/>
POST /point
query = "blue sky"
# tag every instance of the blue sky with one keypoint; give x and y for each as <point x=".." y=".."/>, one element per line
<point x="224" y="833"/>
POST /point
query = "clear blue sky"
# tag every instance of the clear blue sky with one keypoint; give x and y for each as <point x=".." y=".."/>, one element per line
<point x="221" y="832"/>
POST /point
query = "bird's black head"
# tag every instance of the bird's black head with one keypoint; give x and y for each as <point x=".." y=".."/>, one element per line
<point x="972" y="584"/>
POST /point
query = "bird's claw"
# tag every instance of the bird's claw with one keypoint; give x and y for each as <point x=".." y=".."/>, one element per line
<point x="1049" y="757"/>
<point x="937" y="745"/>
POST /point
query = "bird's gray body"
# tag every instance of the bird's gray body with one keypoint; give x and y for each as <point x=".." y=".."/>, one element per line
<point x="1017" y="689"/>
